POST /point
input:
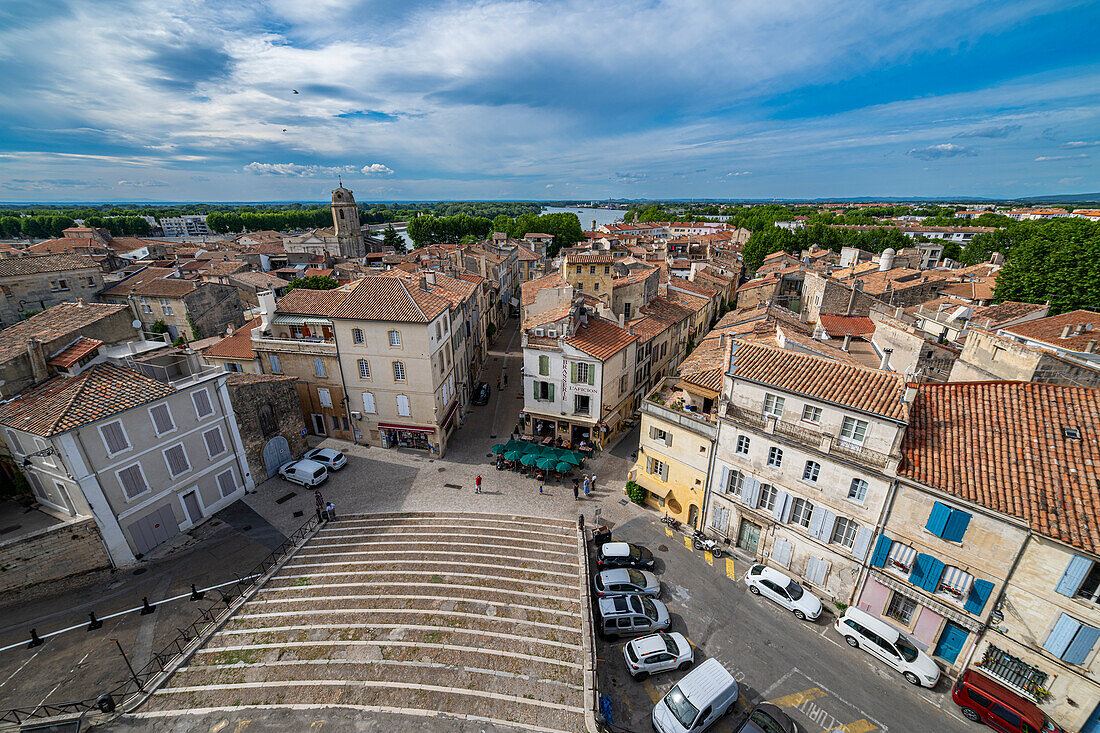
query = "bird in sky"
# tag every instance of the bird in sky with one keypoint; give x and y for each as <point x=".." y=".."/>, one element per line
<point x="284" y="129"/>
<point x="295" y="91"/>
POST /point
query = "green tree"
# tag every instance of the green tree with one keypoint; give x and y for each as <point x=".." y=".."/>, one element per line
<point x="1056" y="261"/>
<point x="503" y="223"/>
<point x="390" y="238"/>
<point x="313" y="282"/>
<point x="9" y="227"/>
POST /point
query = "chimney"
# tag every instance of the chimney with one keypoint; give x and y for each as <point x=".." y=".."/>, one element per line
<point x="1065" y="332"/>
<point x="80" y="302"/>
<point x="1090" y="346"/>
<point x="910" y="393"/>
<point x="430" y="276"/>
<point x="1078" y="328"/>
<point x="37" y="358"/>
<point x="424" y="282"/>
<point x="847" y="342"/>
<point x="885" y="364"/>
<point x="229" y="329"/>
<point x="266" y="299"/>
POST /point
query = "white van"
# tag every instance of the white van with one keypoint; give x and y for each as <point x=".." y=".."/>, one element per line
<point x="876" y="637"/>
<point x="706" y="694"/>
<point x="304" y="472"/>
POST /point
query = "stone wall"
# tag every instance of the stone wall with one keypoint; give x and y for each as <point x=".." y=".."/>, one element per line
<point x="53" y="553"/>
<point x="212" y="307"/>
<point x="251" y="396"/>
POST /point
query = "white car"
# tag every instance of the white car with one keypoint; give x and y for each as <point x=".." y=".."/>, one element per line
<point x="879" y="639"/>
<point x="784" y="590"/>
<point x="657" y="653"/>
<point x="304" y="472"/>
<point x="331" y="459"/>
<point x="623" y="581"/>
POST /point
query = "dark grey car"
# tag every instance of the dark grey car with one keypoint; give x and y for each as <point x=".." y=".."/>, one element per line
<point x="767" y="718"/>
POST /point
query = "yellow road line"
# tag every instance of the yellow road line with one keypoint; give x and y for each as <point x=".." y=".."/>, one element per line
<point x="731" y="569"/>
<point x="795" y="699"/>
<point x="709" y="558"/>
<point x="651" y="691"/>
<point x="668" y="531"/>
<point x="860" y="726"/>
<point x="687" y="542"/>
<point x="690" y="641"/>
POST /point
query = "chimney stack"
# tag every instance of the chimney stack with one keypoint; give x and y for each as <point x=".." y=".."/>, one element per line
<point x="1065" y="332"/>
<point x="37" y="358"/>
<point x="910" y="393"/>
<point x="885" y="364"/>
<point x="423" y="282"/>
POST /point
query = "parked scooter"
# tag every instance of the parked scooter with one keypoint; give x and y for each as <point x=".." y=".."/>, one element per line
<point x="701" y="542"/>
<point x="674" y="524"/>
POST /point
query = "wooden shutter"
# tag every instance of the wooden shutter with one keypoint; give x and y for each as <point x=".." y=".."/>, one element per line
<point x="544" y="365"/>
<point x="214" y="444"/>
<point x="668" y="437"/>
<point x="882" y="551"/>
<point x="226" y="484"/>
<point x="781" y="552"/>
<point x="162" y="418"/>
<point x="133" y="483"/>
<point x="1081" y="645"/>
<point x="1061" y="636"/>
<point x="979" y="593"/>
<point x="937" y="520"/>
<point x="652" y="433"/>
<point x="862" y="543"/>
<point x="725" y="478"/>
<point x="573" y="372"/>
<point x="368" y="402"/>
<point x="782" y="503"/>
<point x="648" y="465"/>
<point x="114" y="437"/>
<point x="591" y="374"/>
<point x="550" y="394"/>
<point x="1073" y="576"/>
<point x="828" y="520"/>
<point x="535" y="389"/>
<point x="403" y="405"/>
<point x="956" y="526"/>
<point x="750" y="492"/>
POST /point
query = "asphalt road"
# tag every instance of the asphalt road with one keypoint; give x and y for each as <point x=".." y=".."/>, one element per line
<point x="805" y="667"/>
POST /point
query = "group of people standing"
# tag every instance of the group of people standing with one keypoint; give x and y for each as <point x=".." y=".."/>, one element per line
<point x="589" y="486"/>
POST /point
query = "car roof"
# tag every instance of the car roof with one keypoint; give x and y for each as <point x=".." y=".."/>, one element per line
<point x="1029" y="710"/>
<point x="775" y="576"/>
<point x="308" y="465"/>
<point x="649" y="644"/>
<point x="883" y="629"/>
<point x="701" y="683"/>
<point x="324" y="452"/>
<point x="615" y="575"/>
<point x="616" y="549"/>
<point x="612" y="605"/>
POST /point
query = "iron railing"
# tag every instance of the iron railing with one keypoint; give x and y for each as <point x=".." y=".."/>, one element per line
<point x="164" y="659"/>
<point x="1015" y="671"/>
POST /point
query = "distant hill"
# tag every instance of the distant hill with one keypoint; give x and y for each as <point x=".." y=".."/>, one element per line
<point x="1074" y="198"/>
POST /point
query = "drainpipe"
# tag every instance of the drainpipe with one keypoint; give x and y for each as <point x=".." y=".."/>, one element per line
<point x="980" y="633"/>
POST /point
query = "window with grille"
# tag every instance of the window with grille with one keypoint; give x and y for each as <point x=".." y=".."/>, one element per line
<point x="214" y="443"/>
<point x="398" y="371"/>
<point x="226" y="484"/>
<point x="768" y="495"/>
<point x="773" y="406"/>
<point x="176" y="458"/>
<point x="395" y="338"/>
<point x="801" y="511"/>
<point x="582" y="373"/>
<point x="901" y="609"/>
<point x="357" y="335"/>
<point x="203" y="406"/>
<point x="811" y="471"/>
<point x="364" y="369"/>
<point x="743" y="444"/>
<point x="844" y="532"/>
<point x="775" y="457"/>
<point x="132" y="481"/>
<point x="114" y="437"/>
<point x="858" y="490"/>
<point x="162" y="419"/>
<point x="1016" y="672"/>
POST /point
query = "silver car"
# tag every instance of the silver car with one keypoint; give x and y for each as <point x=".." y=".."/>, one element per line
<point x="331" y="459"/>
<point x="622" y="581"/>
<point x="657" y="653"/>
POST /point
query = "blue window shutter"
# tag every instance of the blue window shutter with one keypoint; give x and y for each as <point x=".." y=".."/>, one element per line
<point x="1075" y="573"/>
<point x="1081" y="645"/>
<point x="937" y="520"/>
<point x="932" y="573"/>
<point x="956" y="526"/>
<point x="863" y="543"/>
<point x="920" y="569"/>
<point x="882" y="551"/>
<point x="1061" y="635"/>
<point x="979" y="594"/>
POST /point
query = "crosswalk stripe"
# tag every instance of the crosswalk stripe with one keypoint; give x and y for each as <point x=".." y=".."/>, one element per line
<point x="797" y="698"/>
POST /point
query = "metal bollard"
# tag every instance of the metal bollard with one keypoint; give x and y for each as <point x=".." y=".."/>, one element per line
<point x="95" y="624"/>
<point x="105" y="703"/>
<point x="146" y="608"/>
<point x="196" y="594"/>
<point x="36" y="640"/>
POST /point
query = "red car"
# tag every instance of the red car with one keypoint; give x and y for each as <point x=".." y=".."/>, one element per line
<point x="985" y="701"/>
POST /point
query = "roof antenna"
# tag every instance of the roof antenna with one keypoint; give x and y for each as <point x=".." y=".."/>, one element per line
<point x="340" y="178"/>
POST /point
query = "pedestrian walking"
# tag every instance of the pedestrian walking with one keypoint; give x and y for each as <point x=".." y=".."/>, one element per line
<point x="540" y="488"/>
<point x="330" y="510"/>
<point x="477" y="484"/>
<point x="587" y="487"/>
<point x="505" y="379"/>
<point x="498" y="383"/>
<point x="576" y="489"/>
<point x="592" y="482"/>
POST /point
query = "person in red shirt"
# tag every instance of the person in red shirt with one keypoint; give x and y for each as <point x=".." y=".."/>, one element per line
<point x="477" y="484"/>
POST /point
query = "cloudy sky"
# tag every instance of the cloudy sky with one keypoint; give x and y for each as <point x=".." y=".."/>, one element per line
<point x="177" y="100"/>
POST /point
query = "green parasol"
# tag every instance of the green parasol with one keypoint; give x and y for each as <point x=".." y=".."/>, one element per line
<point x="515" y="445"/>
<point x="564" y="467"/>
<point x="498" y="448"/>
<point x="513" y="455"/>
<point x="571" y="457"/>
<point x="547" y="464"/>
<point x="529" y="459"/>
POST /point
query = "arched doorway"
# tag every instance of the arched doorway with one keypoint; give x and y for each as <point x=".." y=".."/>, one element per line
<point x="693" y="515"/>
<point x="276" y="453"/>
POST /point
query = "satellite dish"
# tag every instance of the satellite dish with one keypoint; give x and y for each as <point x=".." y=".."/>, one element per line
<point x="135" y="323"/>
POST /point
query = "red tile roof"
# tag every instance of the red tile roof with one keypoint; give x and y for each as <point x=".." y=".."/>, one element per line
<point x="64" y="319"/>
<point x="529" y="290"/>
<point x="601" y="338"/>
<point x="847" y="325"/>
<point x="860" y="388"/>
<point x="237" y="345"/>
<point x="65" y="403"/>
<point x="589" y="259"/>
<point x="1049" y="330"/>
<point x="311" y="302"/>
<point x="380" y="298"/>
<point x="35" y="264"/>
<point x="74" y="352"/>
<point x="1001" y="445"/>
<point x="148" y="274"/>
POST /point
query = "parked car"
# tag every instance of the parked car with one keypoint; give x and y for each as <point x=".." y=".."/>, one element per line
<point x="784" y="590"/>
<point x="623" y="555"/>
<point x="985" y="701"/>
<point x="331" y="459"/>
<point x="631" y="615"/>
<point x="623" y="581"/>
<point x="863" y="631"/>
<point x="481" y="394"/>
<point x="703" y="696"/>
<point x="657" y="653"/>
<point x="304" y="472"/>
<point x="768" y="718"/>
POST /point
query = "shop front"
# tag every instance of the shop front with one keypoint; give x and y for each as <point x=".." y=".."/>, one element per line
<point x="406" y="436"/>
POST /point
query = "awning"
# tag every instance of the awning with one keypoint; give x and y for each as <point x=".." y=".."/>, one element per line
<point x="956" y="582"/>
<point x="450" y="414"/>
<point x="406" y="428"/>
<point x="900" y="557"/>
<point x="285" y="319"/>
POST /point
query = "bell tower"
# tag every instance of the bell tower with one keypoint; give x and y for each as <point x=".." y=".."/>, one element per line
<point x="345" y="223"/>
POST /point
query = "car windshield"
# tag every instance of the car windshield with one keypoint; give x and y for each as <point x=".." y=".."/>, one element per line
<point x="670" y="644"/>
<point x="794" y="590"/>
<point x="636" y="578"/>
<point x="648" y="608"/>
<point x="765" y="722"/>
<point x="635" y="552"/>
<point x="631" y="653"/>
<point x="337" y="456"/>
<point x="908" y="651"/>
<point x="684" y="711"/>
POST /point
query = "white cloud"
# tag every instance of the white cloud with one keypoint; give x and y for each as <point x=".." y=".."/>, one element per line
<point x="1045" y="158"/>
<point x="738" y="173"/>
<point x="297" y="171"/>
<point x="144" y="184"/>
<point x="1081" y="143"/>
<point x="376" y="169"/>
<point x="943" y="150"/>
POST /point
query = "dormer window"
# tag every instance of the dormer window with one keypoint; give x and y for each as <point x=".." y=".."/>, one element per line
<point x="539" y="332"/>
<point x="1071" y="433"/>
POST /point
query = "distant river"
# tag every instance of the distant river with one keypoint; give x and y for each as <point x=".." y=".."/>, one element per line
<point x="602" y="216"/>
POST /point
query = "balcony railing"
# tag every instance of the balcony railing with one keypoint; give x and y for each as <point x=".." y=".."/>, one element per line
<point x="295" y="346"/>
<point x="740" y="414"/>
<point x="861" y="455"/>
<point x="1015" y="672"/>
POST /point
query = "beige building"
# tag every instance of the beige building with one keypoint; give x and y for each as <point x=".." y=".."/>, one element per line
<point x="32" y="284"/>
<point x="987" y="355"/>
<point x="191" y="309"/>
<point x="591" y="274"/>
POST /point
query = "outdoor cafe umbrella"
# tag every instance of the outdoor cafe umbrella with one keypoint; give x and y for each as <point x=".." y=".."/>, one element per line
<point x="498" y="448"/>
<point x="564" y="467"/>
<point x="547" y="464"/>
<point x="570" y="458"/>
<point x="515" y="445"/>
<point x="513" y="455"/>
<point x="529" y="459"/>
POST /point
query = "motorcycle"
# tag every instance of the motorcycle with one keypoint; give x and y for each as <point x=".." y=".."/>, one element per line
<point x="701" y="542"/>
<point x="674" y="524"/>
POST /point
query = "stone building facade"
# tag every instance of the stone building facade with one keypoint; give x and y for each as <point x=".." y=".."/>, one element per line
<point x="987" y="355"/>
<point x="269" y="418"/>
<point x="32" y="284"/>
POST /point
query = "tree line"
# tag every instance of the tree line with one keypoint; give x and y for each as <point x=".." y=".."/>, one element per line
<point x="765" y="241"/>
<point x="564" y="227"/>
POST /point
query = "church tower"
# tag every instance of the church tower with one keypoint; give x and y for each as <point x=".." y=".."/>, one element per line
<point x="345" y="222"/>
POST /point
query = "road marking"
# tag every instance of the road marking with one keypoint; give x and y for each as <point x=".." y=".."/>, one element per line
<point x="668" y="531"/>
<point x="687" y="542"/>
<point x="731" y="569"/>
<point x="651" y="690"/>
<point x="690" y="641"/>
<point x="709" y="558"/>
<point x="795" y="699"/>
<point x="860" y="726"/>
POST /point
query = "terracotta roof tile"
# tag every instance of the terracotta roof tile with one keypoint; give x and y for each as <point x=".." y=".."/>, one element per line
<point x="992" y="316"/>
<point x="1049" y="330"/>
<point x="380" y="298"/>
<point x="65" y="403"/>
<point x="601" y="338"/>
<point x="529" y="290"/>
<point x="237" y="345"/>
<point x="61" y="320"/>
<point x="74" y="352"/>
<point x="312" y="302"/>
<point x="146" y="274"/>
<point x="35" y="264"/>
<point x="860" y="388"/>
<point x="847" y="325"/>
<point x="1001" y="445"/>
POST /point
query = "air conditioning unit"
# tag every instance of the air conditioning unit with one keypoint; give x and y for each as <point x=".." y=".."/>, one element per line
<point x="357" y="415"/>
